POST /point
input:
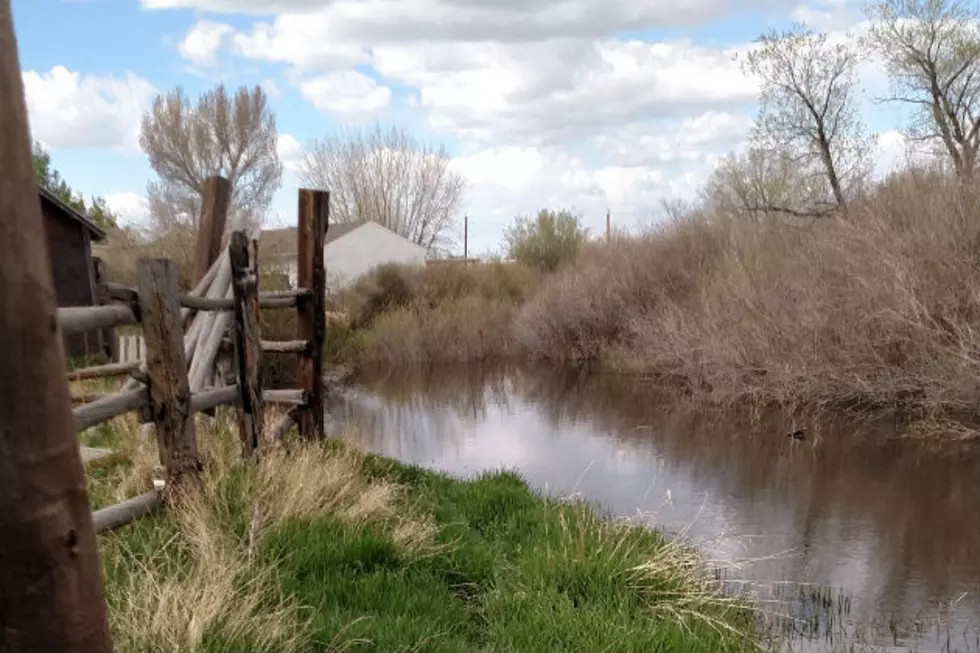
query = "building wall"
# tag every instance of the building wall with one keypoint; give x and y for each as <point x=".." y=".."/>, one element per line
<point x="361" y="250"/>
<point x="70" y="254"/>
<point x="365" y="248"/>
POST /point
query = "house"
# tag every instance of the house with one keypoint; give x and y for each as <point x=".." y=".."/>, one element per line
<point x="69" y="236"/>
<point x="349" y="250"/>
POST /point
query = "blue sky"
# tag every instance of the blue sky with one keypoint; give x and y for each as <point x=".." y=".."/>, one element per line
<point x="577" y="103"/>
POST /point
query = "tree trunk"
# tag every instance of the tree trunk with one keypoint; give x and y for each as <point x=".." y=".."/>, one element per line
<point x="50" y="582"/>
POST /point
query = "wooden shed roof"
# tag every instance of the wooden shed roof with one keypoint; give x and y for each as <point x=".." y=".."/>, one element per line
<point x="98" y="233"/>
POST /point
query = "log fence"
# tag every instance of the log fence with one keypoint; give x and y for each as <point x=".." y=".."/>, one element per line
<point x="158" y="387"/>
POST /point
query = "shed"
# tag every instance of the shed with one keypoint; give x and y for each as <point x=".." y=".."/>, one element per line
<point x="69" y="238"/>
<point x="349" y="250"/>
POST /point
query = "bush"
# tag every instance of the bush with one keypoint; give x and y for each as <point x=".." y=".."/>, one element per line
<point x="546" y="241"/>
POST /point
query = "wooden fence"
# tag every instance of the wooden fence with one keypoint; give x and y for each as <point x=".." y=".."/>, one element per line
<point x="164" y="398"/>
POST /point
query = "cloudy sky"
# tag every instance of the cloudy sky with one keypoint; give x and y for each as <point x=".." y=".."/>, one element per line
<point x="589" y="104"/>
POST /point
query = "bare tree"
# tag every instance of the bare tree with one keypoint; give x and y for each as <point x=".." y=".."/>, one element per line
<point x="762" y="180"/>
<point x="809" y="106"/>
<point x="932" y="51"/>
<point x="388" y="177"/>
<point x="234" y="137"/>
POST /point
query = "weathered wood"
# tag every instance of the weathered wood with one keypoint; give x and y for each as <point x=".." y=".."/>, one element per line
<point x="170" y="394"/>
<point x="94" y="457"/>
<point x="103" y="371"/>
<point x="116" y="292"/>
<point x="79" y="319"/>
<point x="286" y="347"/>
<point x="88" y="415"/>
<point x="120" y="514"/>
<point x="211" y="226"/>
<point x="88" y="397"/>
<point x="266" y="301"/>
<point x="295" y="397"/>
<point x="314" y="209"/>
<point x="51" y="595"/>
<point x="204" y="401"/>
<point x="285" y="424"/>
<point x="248" y="347"/>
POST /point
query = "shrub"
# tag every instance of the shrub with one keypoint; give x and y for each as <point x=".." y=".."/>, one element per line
<point x="546" y="241"/>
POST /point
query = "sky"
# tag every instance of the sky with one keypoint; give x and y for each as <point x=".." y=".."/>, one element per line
<point x="590" y="105"/>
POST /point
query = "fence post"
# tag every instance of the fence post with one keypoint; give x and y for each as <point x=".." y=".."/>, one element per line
<point x="51" y="596"/>
<point x="166" y="368"/>
<point x="211" y="227"/>
<point x="314" y="211"/>
<point x="248" y="340"/>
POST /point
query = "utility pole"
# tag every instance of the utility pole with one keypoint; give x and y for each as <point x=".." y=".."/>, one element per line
<point x="608" y="227"/>
<point x="466" y="240"/>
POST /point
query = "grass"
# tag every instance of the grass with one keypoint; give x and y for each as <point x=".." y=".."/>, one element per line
<point x="321" y="548"/>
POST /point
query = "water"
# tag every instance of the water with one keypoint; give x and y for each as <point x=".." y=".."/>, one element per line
<point x="869" y="540"/>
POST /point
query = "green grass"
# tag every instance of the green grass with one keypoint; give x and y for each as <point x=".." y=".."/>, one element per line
<point x="322" y="548"/>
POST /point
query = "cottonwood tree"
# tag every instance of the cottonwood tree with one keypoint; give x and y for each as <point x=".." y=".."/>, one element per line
<point x="232" y="136"/>
<point x="546" y="240"/>
<point x="47" y="176"/>
<point x="809" y="109"/>
<point x="758" y="178"/>
<point x="389" y="177"/>
<point x="932" y="52"/>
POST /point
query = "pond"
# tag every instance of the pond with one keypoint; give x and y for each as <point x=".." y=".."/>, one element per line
<point x="869" y="540"/>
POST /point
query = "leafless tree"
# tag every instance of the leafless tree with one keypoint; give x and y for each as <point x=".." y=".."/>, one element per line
<point x="761" y="180"/>
<point x="389" y="177"/>
<point x="232" y="136"/>
<point x="809" y="106"/>
<point x="932" y="51"/>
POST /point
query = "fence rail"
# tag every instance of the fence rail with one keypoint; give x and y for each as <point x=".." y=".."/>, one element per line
<point x="156" y="359"/>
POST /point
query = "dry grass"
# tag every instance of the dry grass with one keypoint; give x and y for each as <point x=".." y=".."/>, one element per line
<point x="875" y="310"/>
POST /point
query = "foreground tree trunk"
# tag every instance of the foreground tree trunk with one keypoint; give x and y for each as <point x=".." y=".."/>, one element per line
<point x="50" y="584"/>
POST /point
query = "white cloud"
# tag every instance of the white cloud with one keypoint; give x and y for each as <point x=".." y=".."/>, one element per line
<point x="471" y="20"/>
<point x="697" y="139"/>
<point x="204" y="41"/>
<point x="290" y="152"/>
<point x="350" y="96"/>
<point x="71" y="110"/>
<point x="131" y="207"/>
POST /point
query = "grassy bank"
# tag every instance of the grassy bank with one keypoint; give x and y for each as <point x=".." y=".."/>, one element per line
<point x="322" y="548"/>
<point x="871" y="311"/>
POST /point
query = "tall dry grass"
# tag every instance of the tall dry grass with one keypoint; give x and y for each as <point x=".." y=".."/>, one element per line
<point x="879" y="308"/>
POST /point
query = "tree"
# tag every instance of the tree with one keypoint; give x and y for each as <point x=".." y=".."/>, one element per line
<point x="545" y="241"/>
<point x="232" y="136"/>
<point x="390" y="178"/>
<point x="931" y="49"/>
<point x="809" y="107"/>
<point x="761" y="179"/>
<point x="45" y="175"/>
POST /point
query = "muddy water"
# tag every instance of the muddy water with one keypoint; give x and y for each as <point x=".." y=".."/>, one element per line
<point x="866" y="538"/>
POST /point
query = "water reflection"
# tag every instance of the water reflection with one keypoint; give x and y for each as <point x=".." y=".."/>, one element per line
<point x="892" y="523"/>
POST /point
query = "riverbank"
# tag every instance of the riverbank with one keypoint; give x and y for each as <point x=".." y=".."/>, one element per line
<point x="324" y="548"/>
<point x="870" y="313"/>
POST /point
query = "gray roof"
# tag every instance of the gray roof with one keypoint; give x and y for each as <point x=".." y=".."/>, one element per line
<point x="98" y="233"/>
<point x="281" y="243"/>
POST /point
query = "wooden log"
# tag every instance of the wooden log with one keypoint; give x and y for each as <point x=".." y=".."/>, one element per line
<point x="51" y="596"/>
<point x="88" y="397"/>
<point x="169" y="390"/>
<point x="295" y="397"/>
<point x="284" y="425"/>
<point x="88" y="415"/>
<point x="216" y="195"/>
<point x="120" y="514"/>
<point x="266" y="301"/>
<point x="209" y="399"/>
<point x="286" y="347"/>
<point x="314" y="209"/>
<point x="248" y="348"/>
<point x="117" y="292"/>
<point x="103" y="371"/>
<point x="79" y="319"/>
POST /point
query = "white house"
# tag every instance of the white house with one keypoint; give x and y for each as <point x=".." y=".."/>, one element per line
<point x="349" y="250"/>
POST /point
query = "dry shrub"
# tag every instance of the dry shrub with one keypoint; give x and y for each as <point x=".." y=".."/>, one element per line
<point x="871" y="310"/>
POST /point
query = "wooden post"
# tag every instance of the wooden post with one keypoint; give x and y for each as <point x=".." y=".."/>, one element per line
<point x="608" y="226"/>
<point x="166" y="368"/>
<point x="51" y="595"/>
<point x="314" y="211"/>
<point x="466" y="240"/>
<point x="211" y="227"/>
<point x="248" y="340"/>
